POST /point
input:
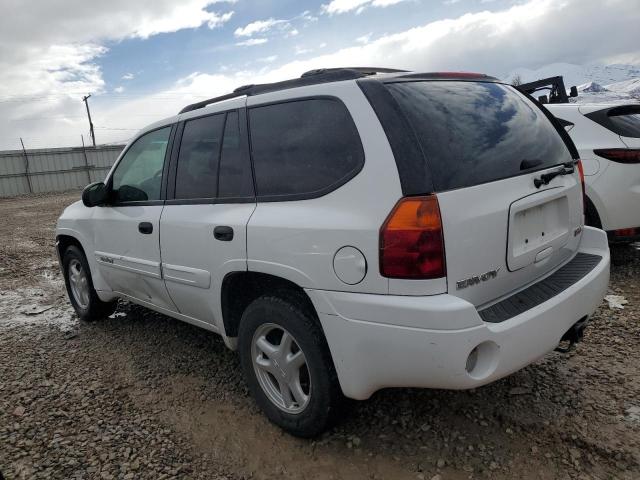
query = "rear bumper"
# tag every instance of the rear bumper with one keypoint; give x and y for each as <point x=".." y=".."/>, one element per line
<point x="380" y="341"/>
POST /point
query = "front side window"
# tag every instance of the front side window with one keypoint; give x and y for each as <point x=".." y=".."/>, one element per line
<point x="138" y="176"/>
<point x="199" y="157"/>
<point x="304" y="147"/>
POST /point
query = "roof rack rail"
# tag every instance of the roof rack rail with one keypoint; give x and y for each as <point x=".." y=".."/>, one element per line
<point x="312" y="77"/>
<point x="364" y="70"/>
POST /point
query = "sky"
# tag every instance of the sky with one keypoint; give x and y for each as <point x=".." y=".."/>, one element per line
<point x="143" y="60"/>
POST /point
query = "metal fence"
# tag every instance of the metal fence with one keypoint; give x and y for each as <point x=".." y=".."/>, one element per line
<point x="54" y="169"/>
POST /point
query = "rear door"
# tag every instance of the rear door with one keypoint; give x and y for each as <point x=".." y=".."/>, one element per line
<point x="486" y="145"/>
<point x="127" y="246"/>
<point x="204" y="222"/>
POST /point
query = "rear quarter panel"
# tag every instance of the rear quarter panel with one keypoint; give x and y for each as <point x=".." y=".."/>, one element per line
<point x="297" y="240"/>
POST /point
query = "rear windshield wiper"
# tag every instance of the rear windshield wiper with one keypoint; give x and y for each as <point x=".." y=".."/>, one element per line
<point x="544" y="179"/>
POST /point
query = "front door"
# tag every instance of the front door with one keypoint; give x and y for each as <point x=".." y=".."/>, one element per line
<point x="204" y="222"/>
<point x="127" y="231"/>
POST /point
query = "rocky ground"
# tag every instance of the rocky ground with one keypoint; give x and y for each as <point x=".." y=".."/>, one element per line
<point x="144" y="396"/>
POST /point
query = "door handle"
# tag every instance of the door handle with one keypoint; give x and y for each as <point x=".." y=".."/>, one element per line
<point x="145" y="228"/>
<point x="223" y="233"/>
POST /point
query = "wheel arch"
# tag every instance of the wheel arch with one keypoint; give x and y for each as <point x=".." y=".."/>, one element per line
<point x="67" y="237"/>
<point x="64" y="241"/>
<point x="592" y="217"/>
<point x="239" y="289"/>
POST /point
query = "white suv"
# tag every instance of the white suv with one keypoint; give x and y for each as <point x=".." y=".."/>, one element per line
<point x="349" y="231"/>
<point x="608" y="140"/>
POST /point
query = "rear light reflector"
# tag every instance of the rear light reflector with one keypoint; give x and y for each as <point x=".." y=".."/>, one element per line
<point x="411" y="240"/>
<point x="620" y="155"/>
<point x="626" y="232"/>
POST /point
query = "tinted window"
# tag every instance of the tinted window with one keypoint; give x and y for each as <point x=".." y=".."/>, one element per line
<point x="235" y="168"/>
<point x="476" y="132"/>
<point x="197" y="172"/>
<point x="306" y="147"/>
<point x="623" y="120"/>
<point x="138" y="176"/>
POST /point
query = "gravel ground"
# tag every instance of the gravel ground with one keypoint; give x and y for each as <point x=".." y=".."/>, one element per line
<point x="141" y="395"/>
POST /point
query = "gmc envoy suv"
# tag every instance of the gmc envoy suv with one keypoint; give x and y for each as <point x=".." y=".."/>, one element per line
<point x="347" y="231"/>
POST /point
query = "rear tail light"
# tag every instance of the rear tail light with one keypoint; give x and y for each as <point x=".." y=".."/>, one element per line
<point x="411" y="241"/>
<point x="620" y="155"/>
<point x="626" y="232"/>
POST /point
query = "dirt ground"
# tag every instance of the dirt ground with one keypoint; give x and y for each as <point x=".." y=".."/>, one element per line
<point x="141" y="395"/>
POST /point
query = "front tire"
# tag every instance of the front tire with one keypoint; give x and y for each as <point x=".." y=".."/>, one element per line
<point x="83" y="297"/>
<point x="287" y="365"/>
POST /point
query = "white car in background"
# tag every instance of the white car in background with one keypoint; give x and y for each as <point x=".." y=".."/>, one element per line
<point x="608" y="139"/>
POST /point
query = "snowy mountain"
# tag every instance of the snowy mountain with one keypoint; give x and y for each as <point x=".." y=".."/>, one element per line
<point x="595" y="82"/>
<point x="591" y="87"/>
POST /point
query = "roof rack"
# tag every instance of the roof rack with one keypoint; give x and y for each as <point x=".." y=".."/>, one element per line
<point x="312" y="77"/>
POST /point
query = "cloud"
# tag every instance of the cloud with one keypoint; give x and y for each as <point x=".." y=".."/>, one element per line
<point x="49" y="51"/>
<point x="527" y="35"/>
<point x="259" y="26"/>
<point x="252" y="41"/>
<point x="343" y="6"/>
<point x="119" y="89"/>
<point x="364" y="39"/>
<point x="269" y="59"/>
<point x="128" y="76"/>
<point x="272" y="26"/>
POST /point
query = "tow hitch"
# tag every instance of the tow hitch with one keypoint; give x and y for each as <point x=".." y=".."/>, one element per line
<point x="572" y="336"/>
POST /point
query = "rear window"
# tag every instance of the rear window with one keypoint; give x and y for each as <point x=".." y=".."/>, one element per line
<point x="477" y="132"/>
<point x="303" y="148"/>
<point x="623" y="120"/>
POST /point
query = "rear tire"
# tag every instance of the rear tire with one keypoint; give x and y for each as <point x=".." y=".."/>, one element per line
<point x="82" y="295"/>
<point x="295" y="383"/>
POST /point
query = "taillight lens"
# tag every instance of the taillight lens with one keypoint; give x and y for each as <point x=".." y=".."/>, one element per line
<point x="620" y="155"/>
<point x="411" y="243"/>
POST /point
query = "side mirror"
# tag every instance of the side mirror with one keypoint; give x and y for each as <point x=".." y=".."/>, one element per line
<point x="94" y="194"/>
<point x="543" y="99"/>
<point x="573" y="91"/>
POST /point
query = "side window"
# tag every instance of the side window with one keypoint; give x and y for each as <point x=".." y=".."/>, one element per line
<point x="138" y="176"/>
<point x="303" y="147"/>
<point x="197" y="173"/>
<point x="235" y="178"/>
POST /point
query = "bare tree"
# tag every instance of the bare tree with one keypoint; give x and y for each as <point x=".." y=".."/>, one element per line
<point x="517" y="80"/>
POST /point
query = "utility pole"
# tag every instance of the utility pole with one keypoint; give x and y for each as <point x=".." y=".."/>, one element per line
<point x="85" y="99"/>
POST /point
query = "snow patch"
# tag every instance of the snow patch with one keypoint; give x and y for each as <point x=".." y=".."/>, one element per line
<point x="597" y="83"/>
<point x="32" y="307"/>
<point x="591" y="87"/>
